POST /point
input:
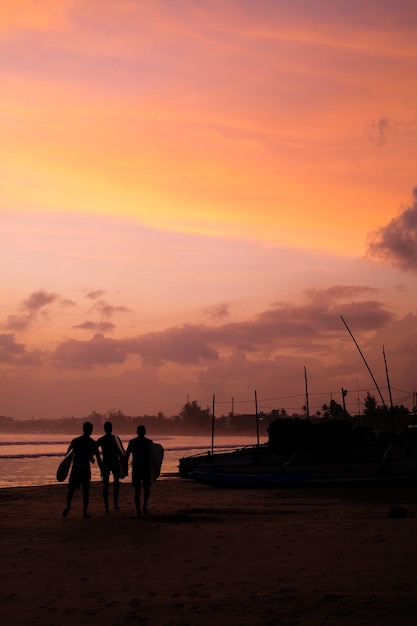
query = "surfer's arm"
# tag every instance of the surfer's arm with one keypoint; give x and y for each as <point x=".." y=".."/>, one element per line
<point x="126" y="458"/>
<point x="70" y="447"/>
<point x="98" y="457"/>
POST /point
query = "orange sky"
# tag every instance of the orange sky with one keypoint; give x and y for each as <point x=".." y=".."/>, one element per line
<point x="193" y="193"/>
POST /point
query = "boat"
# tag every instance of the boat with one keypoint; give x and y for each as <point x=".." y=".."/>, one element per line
<point x="284" y="480"/>
<point x="247" y="459"/>
<point x="301" y="452"/>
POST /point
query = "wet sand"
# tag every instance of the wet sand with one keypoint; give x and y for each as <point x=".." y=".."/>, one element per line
<point x="209" y="556"/>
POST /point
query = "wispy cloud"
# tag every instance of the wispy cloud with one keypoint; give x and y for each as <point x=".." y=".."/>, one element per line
<point x="35" y="307"/>
<point x="218" y="312"/>
<point x="377" y="131"/>
<point x="97" y="327"/>
<point x="108" y="310"/>
<point x="95" y="294"/>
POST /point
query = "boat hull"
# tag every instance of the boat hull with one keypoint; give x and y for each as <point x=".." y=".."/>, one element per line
<point x="298" y="480"/>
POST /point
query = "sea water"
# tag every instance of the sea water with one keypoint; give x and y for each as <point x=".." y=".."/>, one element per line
<point x="32" y="460"/>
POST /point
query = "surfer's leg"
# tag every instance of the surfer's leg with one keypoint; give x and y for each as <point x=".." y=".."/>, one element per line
<point x="106" y="482"/>
<point x="86" y="484"/>
<point x="116" y="488"/>
<point x="69" y="500"/>
<point x="137" y="500"/>
<point x="146" y="495"/>
<point x="86" y="499"/>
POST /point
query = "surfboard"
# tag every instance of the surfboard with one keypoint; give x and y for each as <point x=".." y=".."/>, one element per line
<point x="121" y="457"/>
<point x="156" y="457"/>
<point x="64" y="467"/>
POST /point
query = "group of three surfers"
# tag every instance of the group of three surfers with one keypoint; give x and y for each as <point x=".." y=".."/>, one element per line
<point x="112" y="459"/>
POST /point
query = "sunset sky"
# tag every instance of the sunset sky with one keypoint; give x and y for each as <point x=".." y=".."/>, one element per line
<point x="192" y="195"/>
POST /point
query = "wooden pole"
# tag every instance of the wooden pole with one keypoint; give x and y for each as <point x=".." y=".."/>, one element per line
<point x="257" y="419"/>
<point x="389" y="388"/>
<point x="212" y="427"/>
<point x="307" y="403"/>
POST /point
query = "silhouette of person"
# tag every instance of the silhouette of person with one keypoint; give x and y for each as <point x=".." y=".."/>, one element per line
<point x="85" y="450"/>
<point x="113" y="459"/>
<point x="140" y="448"/>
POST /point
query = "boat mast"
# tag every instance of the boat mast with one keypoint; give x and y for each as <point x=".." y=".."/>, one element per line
<point x="257" y="419"/>
<point x="372" y="376"/>
<point x="212" y="427"/>
<point x="307" y="404"/>
<point x="389" y="388"/>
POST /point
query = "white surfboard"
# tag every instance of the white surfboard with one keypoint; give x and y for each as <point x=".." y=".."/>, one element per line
<point x="64" y="467"/>
<point x="156" y="458"/>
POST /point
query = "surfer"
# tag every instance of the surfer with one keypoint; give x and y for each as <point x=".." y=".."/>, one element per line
<point x="140" y="449"/>
<point x="113" y="461"/>
<point x="85" y="451"/>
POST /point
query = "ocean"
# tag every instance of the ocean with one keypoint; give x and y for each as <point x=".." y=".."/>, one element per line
<point x="32" y="460"/>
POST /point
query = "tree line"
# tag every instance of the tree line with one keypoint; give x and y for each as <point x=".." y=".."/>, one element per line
<point x="193" y="419"/>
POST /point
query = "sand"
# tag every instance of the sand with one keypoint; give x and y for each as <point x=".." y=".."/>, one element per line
<point x="209" y="556"/>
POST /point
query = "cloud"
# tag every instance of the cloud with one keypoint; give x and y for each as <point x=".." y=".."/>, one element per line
<point x="9" y="345"/>
<point x="218" y="311"/>
<point x="108" y="310"/>
<point x="18" y="323"/>
<point x="377" y="131"/>
<point x="14" y="353"/>
<point x="397" y="242"/>
<point x="105" y="311"/>
<point x="32" y="306"/>
<point x="98" y="327"/>
<point x="286" y="327"/>
<point x="185" y="345"/>
<point x="93" y="295"/>
<point x="86" y="354"/>
<point x="39" y="299"/>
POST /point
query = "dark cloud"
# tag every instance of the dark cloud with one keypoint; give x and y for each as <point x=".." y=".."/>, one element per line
<point x="105" y="309"/>
<point x="185" y="345"/>
<point x="93" y="295"/>
<point x="86" y="354"/>
<point x="9" y="345"/>
<point x="317" y="318"/>
<point x="300" y="328"/>
<point x="34" y="307"/>
<point x="339" y="292"/>
<point x="14" y="353"/>
<point x="397" y="242"/>
<point x="97" y="327"/>
<point x="18" y="323"/>
<point x="39" y="299"/>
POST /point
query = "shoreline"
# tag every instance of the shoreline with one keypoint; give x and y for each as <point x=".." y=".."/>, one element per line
<point x="236" y="557"/>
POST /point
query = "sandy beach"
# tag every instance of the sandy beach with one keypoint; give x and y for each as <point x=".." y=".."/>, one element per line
<point x="207" y="556"/>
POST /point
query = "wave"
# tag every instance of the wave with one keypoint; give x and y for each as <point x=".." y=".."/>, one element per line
<point x="34" y="455"/>
<point x="34" y="443"/>
<point x="37" y="455"/>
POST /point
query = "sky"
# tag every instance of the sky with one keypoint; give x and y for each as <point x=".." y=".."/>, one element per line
<point x="195" y="194"/>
